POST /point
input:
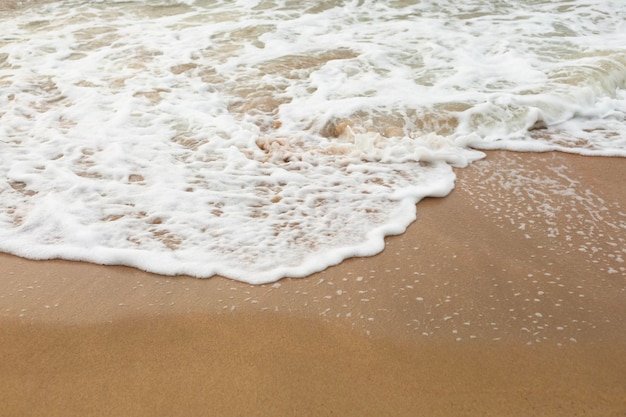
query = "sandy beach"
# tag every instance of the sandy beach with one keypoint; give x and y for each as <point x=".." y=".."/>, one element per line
<point x="506" y="298"/>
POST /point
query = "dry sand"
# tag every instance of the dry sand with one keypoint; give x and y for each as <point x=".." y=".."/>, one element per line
<point x="506" y="298"/>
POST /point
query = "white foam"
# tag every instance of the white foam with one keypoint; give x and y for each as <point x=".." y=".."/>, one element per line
<point x="262" y="139"/>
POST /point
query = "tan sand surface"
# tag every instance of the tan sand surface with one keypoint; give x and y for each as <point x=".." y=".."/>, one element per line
<point x="506" y="298"/>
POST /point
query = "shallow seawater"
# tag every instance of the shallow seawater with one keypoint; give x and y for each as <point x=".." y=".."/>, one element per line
<point x="263" y="139"/>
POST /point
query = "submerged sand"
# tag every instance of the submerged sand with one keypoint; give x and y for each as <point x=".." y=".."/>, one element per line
<point x="506" y="298"/>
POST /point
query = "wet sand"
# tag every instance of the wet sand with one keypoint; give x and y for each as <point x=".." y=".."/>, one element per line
<point x="506" y="298"/>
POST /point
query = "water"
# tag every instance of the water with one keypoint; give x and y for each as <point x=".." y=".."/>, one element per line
<point x="263" y="139"/>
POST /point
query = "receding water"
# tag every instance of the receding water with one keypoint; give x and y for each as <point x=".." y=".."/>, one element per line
<point x="262" y="139"/>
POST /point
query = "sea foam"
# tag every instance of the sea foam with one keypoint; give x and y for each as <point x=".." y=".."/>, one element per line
<point x="264" y="139"/>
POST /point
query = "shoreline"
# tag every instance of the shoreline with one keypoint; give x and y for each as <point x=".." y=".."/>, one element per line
<point x="504" y="298"/>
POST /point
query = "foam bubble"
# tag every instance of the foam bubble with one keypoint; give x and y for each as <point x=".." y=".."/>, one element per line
<point x="270" y="139"/>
